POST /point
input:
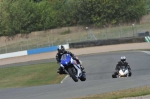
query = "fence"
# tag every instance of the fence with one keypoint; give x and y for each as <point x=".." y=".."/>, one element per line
<point x="68" y="35"/>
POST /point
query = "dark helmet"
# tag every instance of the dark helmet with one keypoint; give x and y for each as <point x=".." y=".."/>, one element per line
<point x="61" y="49"/>
<point x="123" y="58"/>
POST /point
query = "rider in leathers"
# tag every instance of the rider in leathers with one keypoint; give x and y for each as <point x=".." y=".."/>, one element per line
<point x="122" y="62"/>
<point x="61" y="51"/>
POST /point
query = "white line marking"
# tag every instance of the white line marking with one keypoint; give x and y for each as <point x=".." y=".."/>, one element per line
<point x="147" y="52"/>
<point x="64" y="79"/>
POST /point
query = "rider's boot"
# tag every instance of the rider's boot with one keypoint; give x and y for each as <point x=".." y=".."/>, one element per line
<point x="130" y="73"/>
<point x="115" y="74"/>
<point x="61" y="71"/>
<point x="82" y="68"/>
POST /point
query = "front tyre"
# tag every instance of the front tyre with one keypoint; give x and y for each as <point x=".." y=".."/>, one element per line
<point x="71" y="73"/>
<point x="83" y="77"/>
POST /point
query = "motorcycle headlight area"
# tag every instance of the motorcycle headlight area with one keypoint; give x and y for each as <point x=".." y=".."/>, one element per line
<point x="67" y="63"/>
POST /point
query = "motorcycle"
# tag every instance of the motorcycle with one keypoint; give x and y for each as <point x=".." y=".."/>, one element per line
<point x="123" y="72"/>
<point x="71" y="68"/>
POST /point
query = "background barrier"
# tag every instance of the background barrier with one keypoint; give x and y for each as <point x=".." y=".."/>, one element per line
<point x="77" y="45"/>
<point x="14" y="54"/>
<point x="107" y="42"/>
<point x="41" y="50"/>
<point x="32" y="51"/>
<point x="74" y="34"/>
<point x="147" y="38"/>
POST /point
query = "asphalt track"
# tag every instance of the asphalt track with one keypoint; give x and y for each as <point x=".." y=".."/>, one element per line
<point x="99" y="68"/>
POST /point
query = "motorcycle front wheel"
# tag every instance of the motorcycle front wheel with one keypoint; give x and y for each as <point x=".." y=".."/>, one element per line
<point x="83" y="77"/>
<point x="71" y="73"/>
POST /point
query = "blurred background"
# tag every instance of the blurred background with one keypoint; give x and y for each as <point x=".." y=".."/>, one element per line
<point x="67" y="35"/>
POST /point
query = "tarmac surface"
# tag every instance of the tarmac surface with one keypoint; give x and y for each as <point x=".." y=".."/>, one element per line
<point x="99" y="68"/>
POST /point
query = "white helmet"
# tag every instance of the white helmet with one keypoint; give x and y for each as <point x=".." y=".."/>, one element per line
<point x="61" y="49"/>
<point x="123" y="58"/>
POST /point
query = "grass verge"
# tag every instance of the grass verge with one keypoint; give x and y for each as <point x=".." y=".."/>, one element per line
<point x="134" y="92"/>
<point x="31" y="75"/>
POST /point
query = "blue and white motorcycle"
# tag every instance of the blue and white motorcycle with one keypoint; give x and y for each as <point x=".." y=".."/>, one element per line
<point x="71" y="67"/>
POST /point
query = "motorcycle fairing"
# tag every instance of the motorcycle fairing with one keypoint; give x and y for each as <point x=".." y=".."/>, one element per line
<point x="66" y="59"/>
<point x="123" y="71"/>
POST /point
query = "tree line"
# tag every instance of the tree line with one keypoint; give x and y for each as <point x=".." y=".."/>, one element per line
<point x="24" y="16"/>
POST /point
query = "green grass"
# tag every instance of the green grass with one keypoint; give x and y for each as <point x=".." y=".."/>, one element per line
<point x="31" y="75"/>
<point x="134" y="92"/>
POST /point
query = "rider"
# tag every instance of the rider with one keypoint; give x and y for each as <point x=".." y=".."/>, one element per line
<point x="61" y="51"/>
<point x="122" y="62"/>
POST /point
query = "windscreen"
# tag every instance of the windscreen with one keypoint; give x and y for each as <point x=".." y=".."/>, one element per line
<point x="63" y="57"/>
<point x="123" y="67"/>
